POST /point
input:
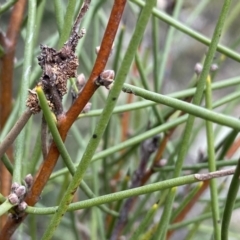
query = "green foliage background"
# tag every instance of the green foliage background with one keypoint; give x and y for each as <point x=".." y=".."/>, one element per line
<point x="164" y="64"/>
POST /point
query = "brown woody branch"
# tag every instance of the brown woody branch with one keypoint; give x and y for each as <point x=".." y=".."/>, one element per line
<point x="148" y="147"/>
<point x="98" y="67"/>
<point x="8" y="41"/>
<point x="7" y="62"/>
<point x="14" y="132"/>
<point x="81" y="14"/>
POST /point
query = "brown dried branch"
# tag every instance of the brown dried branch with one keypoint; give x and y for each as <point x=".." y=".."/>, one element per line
<point x="16" y="129"/>
<point x="7" y="61"/>
<point x="8" y="42"/>
<point x="216" y="174"/>
<point x="158" y="156"/>
<point x="147" y="148"/>
<point x="65" y="122"/>
<point x="81" y="14"/>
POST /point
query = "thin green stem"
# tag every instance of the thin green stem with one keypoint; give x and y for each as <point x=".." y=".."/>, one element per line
<point x="119" y="195"/>
<point x="186" y="200"/>
<point x="4" y="7"/>
<point x="145" y="83"/>
<point x="185" y="107"/>
<point x="38" y="22"/>
<point x="167" y="47"/>
<point x="28" y="140"/>
<point x="2" y="198"/>
<point x="145" y="222"/>
<point x="150" y="188"/>
<point x="181" y="94"/>
<point x="199" y="166"/>
<point x="74" y="85"/>
<point x="141" y="137"/>
<point x="7" y="163"/>
<point x="165" y="216"/>
<point x="5" y="207"/>
<point x="141" y="71"/>
<point x="227" y="143"/>
<point x="196" y="226"/>
<point x="58" y="5"/>
<point x="197" y="11"/>
<point x="232" y="16"/>
<point x="163" y="223"/>
<point x="90" y="194"/>
<point x="97" y="227"/>
<point x="230" y="201"/>
<point x="59" y="143"/>
<point x="67" y="23"/>
<point x="32" y="227"/>
<point x="118" y="205"/>
<point x="196" y="219"/>
<point x="2" y="51"/>
<point x="117" y="56"/>
<point x="226" y="99"/>
<point x="155" y="51"/>
<point x="37" y="150"/>
<point x="73" y="226"/>
<point x="28" y="53"/>
<point x="212" y="164"/>
<point x="48" y="115"/>
<point x="181" y="27"/>
<point x="206" y="209"/>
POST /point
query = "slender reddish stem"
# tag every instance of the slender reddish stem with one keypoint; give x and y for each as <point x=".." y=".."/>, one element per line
<point x="8" y="42"/>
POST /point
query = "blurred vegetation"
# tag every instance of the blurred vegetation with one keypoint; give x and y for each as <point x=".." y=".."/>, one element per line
<point x="142" y="141"/>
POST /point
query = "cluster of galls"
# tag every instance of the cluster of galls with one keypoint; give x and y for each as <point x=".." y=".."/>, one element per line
<point x="58" y="67"/>
<point x="18" y="193"/>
